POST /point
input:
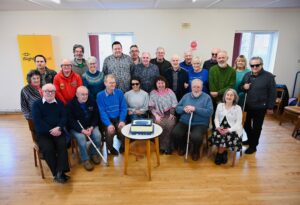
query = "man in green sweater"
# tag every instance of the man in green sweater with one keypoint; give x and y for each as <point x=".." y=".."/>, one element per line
<point x="221" y="77"/>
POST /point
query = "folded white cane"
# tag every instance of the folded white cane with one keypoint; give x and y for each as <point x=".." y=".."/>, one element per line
<point x="94" y="145"/>
<point x="188" y="137"/>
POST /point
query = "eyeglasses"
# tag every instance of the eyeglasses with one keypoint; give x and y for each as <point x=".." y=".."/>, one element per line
<point x="136" y="84"/>
<point x="49" y="91"/>
<point x="66" y="65"/>
<point x="214" y="54"/>
<point x="255" y="65"/>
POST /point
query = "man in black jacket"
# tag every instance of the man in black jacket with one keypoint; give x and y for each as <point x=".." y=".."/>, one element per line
<point x="260" y="87"/>
<point x="84" y="110"/>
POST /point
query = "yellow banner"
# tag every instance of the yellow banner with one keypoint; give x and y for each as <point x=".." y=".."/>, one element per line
<point x="32" y="45"/>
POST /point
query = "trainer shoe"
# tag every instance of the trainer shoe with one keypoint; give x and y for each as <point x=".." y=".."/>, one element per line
<point x="88" y="166"/>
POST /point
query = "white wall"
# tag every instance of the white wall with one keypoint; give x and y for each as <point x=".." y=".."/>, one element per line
<point x="153" y="28"/>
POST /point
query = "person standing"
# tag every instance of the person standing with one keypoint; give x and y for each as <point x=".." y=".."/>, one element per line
<point x="260" y="87"/>
<point x="79" y="65"/>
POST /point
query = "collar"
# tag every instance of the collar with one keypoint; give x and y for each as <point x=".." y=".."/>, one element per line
<point x="107" y="94"/>
<point x="53" y="101"/>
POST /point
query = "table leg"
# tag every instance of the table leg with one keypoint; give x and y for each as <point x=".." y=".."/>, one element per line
<point x="156" y="140"/>
<point x="126" y="154"/>
<point x="148" y="158"/>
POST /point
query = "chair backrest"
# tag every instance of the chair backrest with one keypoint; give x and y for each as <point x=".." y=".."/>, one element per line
<point x="32" y="130"/>
<point x="280" y="93"/>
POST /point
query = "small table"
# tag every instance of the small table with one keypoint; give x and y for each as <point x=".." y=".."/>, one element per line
<point x="157" y="131"/>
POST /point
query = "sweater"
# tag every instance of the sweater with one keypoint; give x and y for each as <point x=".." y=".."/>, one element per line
<point x="79" y="68"/>
<point x="262" y="92"/>
<point x="202" y="75"/>
<point x="137" y="100"/>
<point x="87" y="117"/>
<point x="147" y="75"/>
<point x="66" y="86"/>
<point x="112" y="106"/>
<point x="203" y="105"/>
<point x="93" y="82"/>
<point x="234" y="117"/>
<point x="220" y="79"/>
<point x="122" y="68"/>
<point x="48" y="116"/>
<point x="28" y="96"/>
<point x="186" y="67"/>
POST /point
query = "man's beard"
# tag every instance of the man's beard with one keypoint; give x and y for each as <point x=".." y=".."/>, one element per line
<point x="222" y="65"/>
<point x="196" y="94"/>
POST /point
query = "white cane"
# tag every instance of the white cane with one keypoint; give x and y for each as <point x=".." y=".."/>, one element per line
<point x="93" y="144"/>
<point x="188" y="137"/>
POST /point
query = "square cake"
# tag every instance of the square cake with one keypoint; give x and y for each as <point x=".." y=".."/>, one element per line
<point x="142" y="127"/>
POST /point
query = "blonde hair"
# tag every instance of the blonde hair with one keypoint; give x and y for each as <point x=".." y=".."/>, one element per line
<point x="240" y="57"/>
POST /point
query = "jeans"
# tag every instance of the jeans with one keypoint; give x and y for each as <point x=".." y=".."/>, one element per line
<point x="82" y="139"/>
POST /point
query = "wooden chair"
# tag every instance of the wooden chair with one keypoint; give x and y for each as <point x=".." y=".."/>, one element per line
<point x="38" y="156"/>
<point x="297" y="127"/>
<point x="292" y="112"/>
<point x="241" y="152"/>
<point x="279" y="100"/>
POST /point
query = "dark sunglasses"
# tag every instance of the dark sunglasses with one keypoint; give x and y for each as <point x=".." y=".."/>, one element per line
<point x="255" y="65"/>
<point x="134" y="84"/>
<point x="214" y="54"/>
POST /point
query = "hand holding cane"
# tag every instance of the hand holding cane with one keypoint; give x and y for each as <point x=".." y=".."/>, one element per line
<point x="93" y="144"/>
<point x="188" y="137"/>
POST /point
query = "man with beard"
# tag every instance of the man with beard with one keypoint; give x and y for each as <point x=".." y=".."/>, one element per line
<point x="187" y="63"/>
<point x="200" y="104"/>
<point x="213" y="61"/>
<point x="221" y="77"/>
<point x="79" y="65"/>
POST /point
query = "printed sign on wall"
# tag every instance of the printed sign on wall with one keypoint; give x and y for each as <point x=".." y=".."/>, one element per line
<point x="32" y="45"/>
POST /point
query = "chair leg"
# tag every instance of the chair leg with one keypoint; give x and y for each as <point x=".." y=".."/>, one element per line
<point x="35" y="160"/>
<point x="233" y="158"/>
<point x="41" y="167"/>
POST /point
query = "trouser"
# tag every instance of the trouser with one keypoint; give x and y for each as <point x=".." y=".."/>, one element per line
<point x="110" y="137"/>
<point x="82" y="139"/>
<point x="180" y="131"/>
<point x="253" y="125"/>
<point x="55" y="153"/>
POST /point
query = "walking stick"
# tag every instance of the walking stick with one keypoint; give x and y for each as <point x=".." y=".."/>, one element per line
<point x="105" y="161"/>
<point x="188" y="137"/>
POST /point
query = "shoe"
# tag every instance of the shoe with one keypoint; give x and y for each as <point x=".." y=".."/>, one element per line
<point x="95" y="159"/>
<point x="113" y="151"/>
<point x="250" y="150"/>
<point x="65" y="176"/>
<point x="245" y="142"/>
<point x="121" y="150"/>
<point x="218" y="159"/>
<point x="88" y="166"/>
<point x="224" y="157"/>
<point x="181" y="152"/>
<point x="195" y="156"/>
<point x="59" y="178"/>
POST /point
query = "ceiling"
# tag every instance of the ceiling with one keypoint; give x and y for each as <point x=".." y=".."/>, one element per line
<point x="8" y="5"/>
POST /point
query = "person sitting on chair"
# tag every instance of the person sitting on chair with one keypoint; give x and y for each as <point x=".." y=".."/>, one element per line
<point x="83" y="109"/>
<point x="200" y="104"/>
<point x="49" y="118"/>
<point x="229" y="128"/>
<point x="113" y="109"/>
<point x="137" y="100"/>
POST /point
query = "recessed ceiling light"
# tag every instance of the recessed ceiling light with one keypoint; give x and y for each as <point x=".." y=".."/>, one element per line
<point x="194" y="1"/>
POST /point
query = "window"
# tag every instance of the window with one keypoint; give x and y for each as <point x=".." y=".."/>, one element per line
<point x="263" y="44"/>
<point x="101" y="44"/>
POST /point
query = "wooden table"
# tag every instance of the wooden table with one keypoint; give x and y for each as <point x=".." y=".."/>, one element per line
<point x="157" y="131"/>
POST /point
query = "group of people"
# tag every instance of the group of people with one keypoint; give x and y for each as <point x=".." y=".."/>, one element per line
<point x="82" y="101"/>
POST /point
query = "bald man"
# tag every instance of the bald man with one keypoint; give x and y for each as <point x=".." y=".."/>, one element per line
<point x="187" y="63"/>
<point x="160" y="61"/>
<point x="66" y="82"/>
<point x="177" y="78"/>
<point x="84" y="109"/>
<point x="49" y="118"/>
<point x="213" y="61"/>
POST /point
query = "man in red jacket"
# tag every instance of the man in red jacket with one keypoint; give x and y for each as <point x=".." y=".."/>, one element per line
<point x="66" y="82"/>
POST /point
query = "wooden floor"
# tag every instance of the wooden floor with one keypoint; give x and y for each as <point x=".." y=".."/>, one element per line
<point x="271" y="176"/>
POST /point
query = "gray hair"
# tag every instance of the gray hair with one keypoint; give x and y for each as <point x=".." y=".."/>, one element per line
<point x="197" y="80"/>
<point x="257" y="58"/>
<point x="109" y="76"/>
<point x="48" y="85"/>
<point x="236" y="97"/>
<point x="91" y="59"/>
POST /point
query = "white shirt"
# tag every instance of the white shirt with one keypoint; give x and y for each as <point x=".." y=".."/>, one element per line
<point x="233" y="115"/>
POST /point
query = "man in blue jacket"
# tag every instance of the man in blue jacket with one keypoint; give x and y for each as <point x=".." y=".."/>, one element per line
<point x="83" y="109"/>
<point x="113" y="109"/>
<point x="200" y="104"/>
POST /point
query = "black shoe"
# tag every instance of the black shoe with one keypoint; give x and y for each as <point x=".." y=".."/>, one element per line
<point x="218" y="159"/>
<point x="250" y="150"/>
<point x="113" y="151"/>
<point x="59" y="178"/>
<point x="181" y="152"/>
<point x="195" y="156"/>
<point x="224" y="157"/>
<point x="245" y="142"/>
<point x="65" y="176"/>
